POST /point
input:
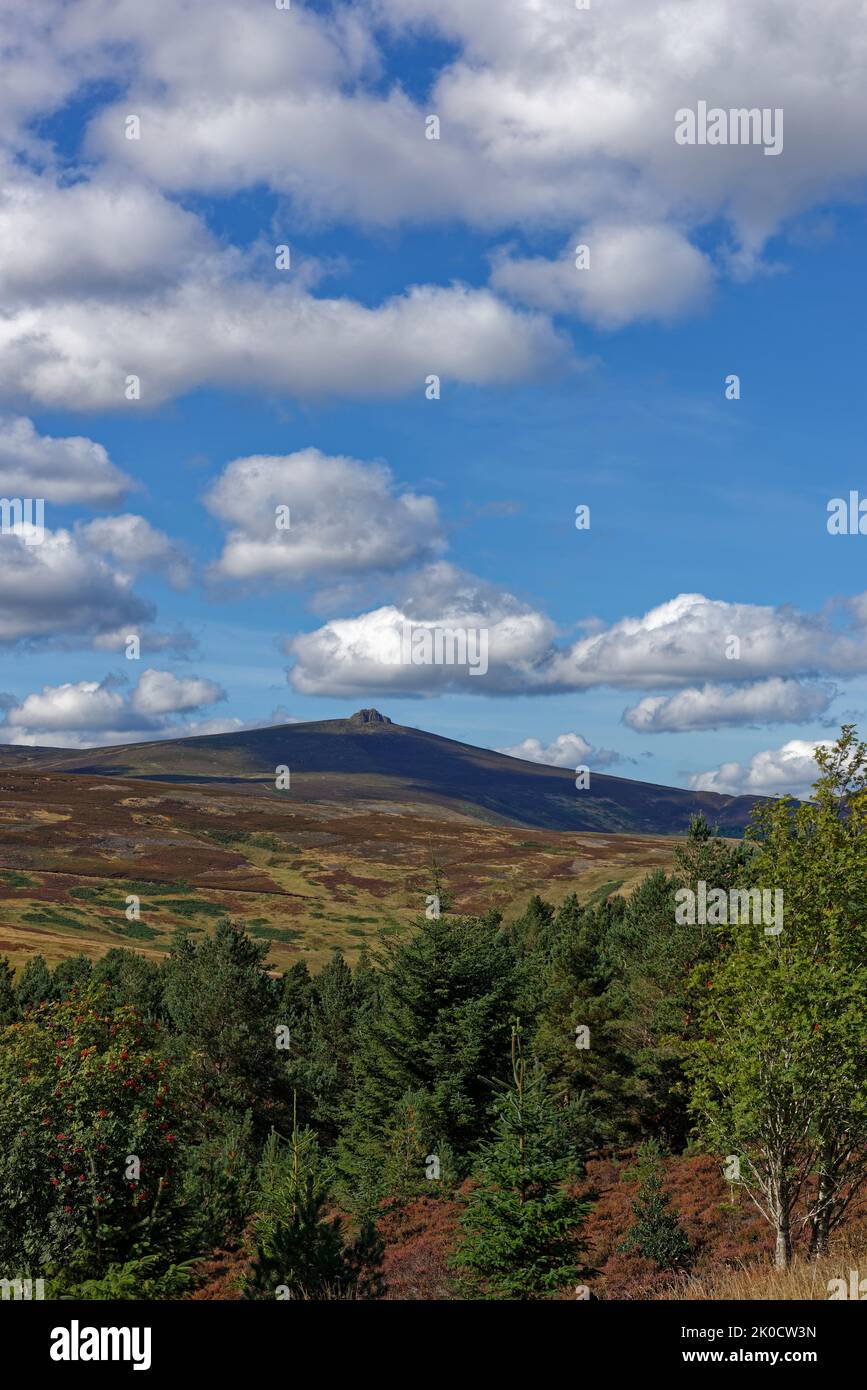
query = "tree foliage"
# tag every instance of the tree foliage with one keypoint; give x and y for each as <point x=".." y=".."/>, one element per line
<point x="780" y="1067"/>
<point x="521" y="1223"/>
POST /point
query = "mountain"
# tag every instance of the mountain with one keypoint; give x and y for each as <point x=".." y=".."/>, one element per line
<point x="366" y="758"/>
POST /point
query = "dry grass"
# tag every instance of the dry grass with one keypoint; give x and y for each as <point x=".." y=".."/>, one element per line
<point x="806" y="1280"/>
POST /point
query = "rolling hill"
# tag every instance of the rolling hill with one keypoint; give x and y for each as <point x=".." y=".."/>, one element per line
<point x="366" y="758"/>
<point x="196" y="829"/>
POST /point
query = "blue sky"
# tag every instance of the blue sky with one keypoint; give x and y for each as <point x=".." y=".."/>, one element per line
<point x="156" y="257"/>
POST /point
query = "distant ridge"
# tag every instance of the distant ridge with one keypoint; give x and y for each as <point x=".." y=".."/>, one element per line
<point x="366" y="757"/>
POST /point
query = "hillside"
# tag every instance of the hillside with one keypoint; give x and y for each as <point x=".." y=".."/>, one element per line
<point x="307" y="877"/>
<point x="369" y="759"/>
<point x="197" y="829"/>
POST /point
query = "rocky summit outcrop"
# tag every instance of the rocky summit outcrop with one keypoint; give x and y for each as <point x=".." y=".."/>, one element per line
<point x="368" y="716"/>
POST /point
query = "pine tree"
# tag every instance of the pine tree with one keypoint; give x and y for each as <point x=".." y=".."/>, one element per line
<point x="438" y="889"/>
<point x="365" y="981"/>
<point x="656" y="1231"/>
<point x="436" y="1026"/>
<point x="332" y="1044"/>
<point x="8" y="1000"/>
<point x="125" y="977"/>
<point x="300" y="1252"/>
<point x="579" y="987"/>
<point x="34" y="985"/>
<point x="297" y="993"/>
<point x="71" y="975"/>
<point x="407" y="1147"/>
<point x="224" y="1006"/>
<point x="521" y="1224"/>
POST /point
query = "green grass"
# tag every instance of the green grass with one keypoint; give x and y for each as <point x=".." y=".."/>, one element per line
<point x="284" y="934"/>
<point x="598" y="896"/>
<point x="229" y="837"/>
<point x="95" y="893"/>
<point x="50" y="917"/>
<point x="187" y="907"/>
<point x="137" y="930"/>
<point x="151" y="889"/>
<point x="271" y="842"/>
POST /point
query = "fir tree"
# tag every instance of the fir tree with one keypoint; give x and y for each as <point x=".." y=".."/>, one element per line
<point x="8" y="1000"/>
<point x="33" y="986"/>
<point x="321" y="1016"/>
<point x="656" y="1232"/>
<point x="579" y="987"/>
<point x="438" y="889"/>
<point x="297" y="993"/>
<point x="332" y="1044"/>
<point x="127" y="978"/>
<point x="365" y="982"/>
<point x="521" y="1224"/>
<point x="437" y="1027"/>
<point x="300" y="1252"/>
<point x="532" y="930"/>
<point x="219" y="1182"/>
<point x="416" y="1163"/>
<point x="406" y="1147"/>
<point x="223" y="1006"/>
<point x="71" y="975"/>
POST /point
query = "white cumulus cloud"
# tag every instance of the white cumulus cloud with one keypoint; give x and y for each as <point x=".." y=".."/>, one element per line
<point x="344" y="518"/>
<point x="161" y="692"/>
<point x="59" y="590"/>
<point x="686" y="639"/>
<point x="84" y="714"/>
<point x="237" y="333"/>
<point x="566" y="750"/>
<point x="137" y="546"/>
<point x="632" y="273"/>
<point x="59" y="470"/>
<point x="791" y="769"/>
<point x="354" y="655"/>
<point x="773" y="701"/>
